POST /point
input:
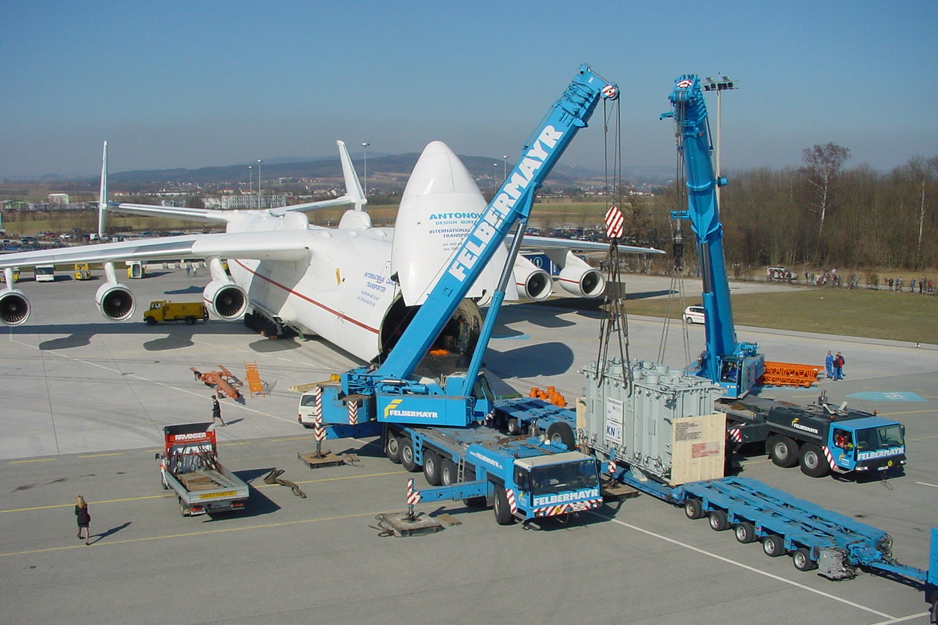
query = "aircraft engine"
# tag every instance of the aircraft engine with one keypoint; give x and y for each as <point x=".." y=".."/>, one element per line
<point x="227" y="299"/>
<point x="533" y="282"/>
<point x="14" y="307"/>
<point x="582" y="280"/>
<point x="115" y="301"/>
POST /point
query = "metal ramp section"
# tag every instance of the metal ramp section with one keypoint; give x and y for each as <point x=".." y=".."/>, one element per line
<point x="256" y="386"/>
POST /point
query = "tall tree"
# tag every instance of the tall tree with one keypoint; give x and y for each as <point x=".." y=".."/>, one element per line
<point x="822" y="165"/>
<point x="922" y="171"/>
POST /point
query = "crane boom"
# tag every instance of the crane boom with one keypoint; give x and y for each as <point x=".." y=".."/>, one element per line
<point x="735" y="366"/>
<point x="510" y="205"/>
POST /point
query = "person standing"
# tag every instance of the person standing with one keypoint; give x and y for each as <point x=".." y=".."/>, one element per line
<point x="839" y="366"/>
<point x="84" y="518"/>
<point x="829" y="365"/>
<point x="216" y="410"/>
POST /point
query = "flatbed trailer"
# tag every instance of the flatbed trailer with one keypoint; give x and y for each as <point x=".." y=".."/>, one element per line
<point x="817" y="538"/>
<point x="189" y="467"/>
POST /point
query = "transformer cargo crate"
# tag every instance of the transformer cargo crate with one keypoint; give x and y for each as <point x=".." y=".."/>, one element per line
<point x="638" y="414"/>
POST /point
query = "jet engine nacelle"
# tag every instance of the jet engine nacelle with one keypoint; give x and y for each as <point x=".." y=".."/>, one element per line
<point x="115" y="301"/>
<point x="14" y="307"/>
<point x="578" y="278"/>
<point x="227" y="299"/>
<point x="533" y="282"/>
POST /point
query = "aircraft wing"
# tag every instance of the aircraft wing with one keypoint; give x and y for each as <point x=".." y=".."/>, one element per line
<point x="552" y="243"/>
<point x="290" y="245"/>
<point x="210" y="215"/>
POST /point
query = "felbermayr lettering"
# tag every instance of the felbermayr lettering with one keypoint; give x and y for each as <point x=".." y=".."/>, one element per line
<point x="420" y="414"/>
<point x="549" y="500"/>
<point x="485" y="459"/>
<point x="504" y="203"/>
<point x="882" y="453"/>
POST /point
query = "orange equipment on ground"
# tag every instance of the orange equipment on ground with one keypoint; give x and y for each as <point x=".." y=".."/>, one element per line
<point x="256" y="386"/>
<point x="550" y="395"/>
<point x="789" y="374"/>
<point x="222" y="381"/>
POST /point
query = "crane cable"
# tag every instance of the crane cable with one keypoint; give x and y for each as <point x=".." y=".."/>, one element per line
<point x="614" y="321"/>
<point x="678" y="268"/>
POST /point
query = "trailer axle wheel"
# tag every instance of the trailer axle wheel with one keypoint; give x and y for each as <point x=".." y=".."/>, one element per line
<point x="801" y="558"/>
<point x="773" y="545"/>
<point x="718" y="520"/>
<point x="693" y="509"/>
<point x="745" y="532"/>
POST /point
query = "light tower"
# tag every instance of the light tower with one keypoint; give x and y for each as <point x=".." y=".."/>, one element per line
<point x="723" y="83"/>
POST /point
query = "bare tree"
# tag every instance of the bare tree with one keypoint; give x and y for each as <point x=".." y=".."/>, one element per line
<point x="922" y="171"/>
<point x="822" y="165"/>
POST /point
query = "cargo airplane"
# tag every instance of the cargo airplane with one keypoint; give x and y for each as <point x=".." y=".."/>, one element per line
<point x="356" y="286"/>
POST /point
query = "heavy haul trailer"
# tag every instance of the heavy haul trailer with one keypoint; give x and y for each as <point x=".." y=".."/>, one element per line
<point x="189" y="467"/>
<point x="820" y="438"/>
<point x="637" y="420"/>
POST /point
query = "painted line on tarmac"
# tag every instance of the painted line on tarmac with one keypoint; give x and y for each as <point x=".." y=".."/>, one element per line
<point x="749" y="568"/>
<point x="191" y="534"/>
<point x="927" y="484"/>
<point x="33" y="460"/>
<point x="902" y="619"/>
<point x="116" y="453"/>
<point x="165" y="496"/>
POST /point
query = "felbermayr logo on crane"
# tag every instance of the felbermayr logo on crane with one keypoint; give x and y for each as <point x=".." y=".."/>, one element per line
<point x="504" y="203"/>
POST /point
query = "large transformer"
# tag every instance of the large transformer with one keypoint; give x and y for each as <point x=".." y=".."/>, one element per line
<point x="657" y="420"/>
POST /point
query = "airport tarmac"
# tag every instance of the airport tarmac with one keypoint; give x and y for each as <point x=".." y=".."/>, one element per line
<point x="84" y="401"/>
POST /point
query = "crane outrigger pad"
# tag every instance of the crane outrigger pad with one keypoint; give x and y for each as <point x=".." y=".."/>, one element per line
<point x="326" y="459"/>
<point x="405" y="524"/>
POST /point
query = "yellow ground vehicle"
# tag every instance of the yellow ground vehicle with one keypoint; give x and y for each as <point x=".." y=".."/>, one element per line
<point x="82" y="271"/>
<point x="165" y="310"/>
<point x="16" y="275"/>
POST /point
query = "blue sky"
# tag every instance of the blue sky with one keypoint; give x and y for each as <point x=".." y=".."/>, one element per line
<point x="193" y="84"/>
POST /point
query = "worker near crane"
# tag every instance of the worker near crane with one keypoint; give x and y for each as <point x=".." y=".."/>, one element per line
<point x="216" y="410"/>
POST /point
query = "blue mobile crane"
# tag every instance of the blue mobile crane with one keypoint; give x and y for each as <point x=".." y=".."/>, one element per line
<point x="820" y="438"/>
<point x="733" y="365"/>
<point x="443" y="425"/>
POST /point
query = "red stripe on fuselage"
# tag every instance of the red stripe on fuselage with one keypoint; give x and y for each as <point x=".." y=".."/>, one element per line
<point x="306" y="298"/>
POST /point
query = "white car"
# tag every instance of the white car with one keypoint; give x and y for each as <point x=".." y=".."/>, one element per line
<point x="694" y="314"/>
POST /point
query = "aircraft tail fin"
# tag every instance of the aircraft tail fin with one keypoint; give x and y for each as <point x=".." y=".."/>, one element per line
<point x="102" y="198"/>
<point x="353" y="187"/>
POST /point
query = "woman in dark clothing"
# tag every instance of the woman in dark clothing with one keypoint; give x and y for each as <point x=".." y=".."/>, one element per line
<point x="84" y="518"/>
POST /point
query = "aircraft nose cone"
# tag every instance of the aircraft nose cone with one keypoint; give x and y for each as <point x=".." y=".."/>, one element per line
<point x="439" y="170"/>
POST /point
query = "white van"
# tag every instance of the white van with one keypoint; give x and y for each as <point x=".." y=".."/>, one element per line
<point x="45" y="273"/>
